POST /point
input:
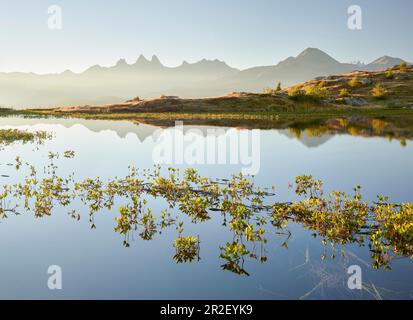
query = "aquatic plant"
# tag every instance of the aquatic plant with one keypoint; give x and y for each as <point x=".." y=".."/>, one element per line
<point x="187" y="249"/>
<point x="9" y="136"/>
<point x="393" y="231"/>
<point x="248" y="211"/>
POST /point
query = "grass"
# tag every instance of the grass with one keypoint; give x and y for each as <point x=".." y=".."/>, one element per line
<point x="304" y="111"/>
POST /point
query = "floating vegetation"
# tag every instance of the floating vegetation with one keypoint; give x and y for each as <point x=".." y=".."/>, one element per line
<point x="250" y="213"/>
<point x="187" y="249"/>
<point x="10" y="136"/>
<point x="69" y="154"/>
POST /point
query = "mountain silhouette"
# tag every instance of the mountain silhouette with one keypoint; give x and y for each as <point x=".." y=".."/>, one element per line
<point x="308" y="64"/>
<point x="150" y="78"/>
<point x="383" y="63"/>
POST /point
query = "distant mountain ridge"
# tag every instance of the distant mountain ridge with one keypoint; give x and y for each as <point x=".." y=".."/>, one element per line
<point x="150" y="78"/>
<point x="204" y="67"/>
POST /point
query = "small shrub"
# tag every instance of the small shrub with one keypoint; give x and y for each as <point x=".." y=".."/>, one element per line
<point x="271" y="90"/>
<point x="296" y="93"/>
<point x="316" y="92"/>
<point x="378" y="92"/>
<point x="389" y="74"/>
<point x="267" y="91"/>
<point x="354" y="83"/>
<point x="403" y="67"/>
<point x="344" y="93"/>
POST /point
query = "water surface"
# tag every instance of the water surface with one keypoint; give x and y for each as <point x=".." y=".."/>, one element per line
<point x="95" y="264"/>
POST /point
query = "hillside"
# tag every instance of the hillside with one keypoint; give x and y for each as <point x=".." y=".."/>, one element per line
<point x="391" y="88"/>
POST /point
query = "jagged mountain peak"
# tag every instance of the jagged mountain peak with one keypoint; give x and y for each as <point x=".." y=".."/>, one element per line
<point x="206" y="64"/>
<point x="141" y="59"/>
<point x="155" y="60"/>
<point x="121" y="62"/>
<point x="215" y="62"/>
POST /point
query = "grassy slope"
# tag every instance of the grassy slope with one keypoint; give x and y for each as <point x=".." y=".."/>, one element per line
<point x="319" y="96"/>
<point x="279" y="108"/>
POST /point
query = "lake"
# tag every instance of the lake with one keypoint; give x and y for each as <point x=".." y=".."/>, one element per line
<point x="96" y="265"/>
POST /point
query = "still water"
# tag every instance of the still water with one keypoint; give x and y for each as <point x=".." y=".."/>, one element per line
<point x="96" y="265"/>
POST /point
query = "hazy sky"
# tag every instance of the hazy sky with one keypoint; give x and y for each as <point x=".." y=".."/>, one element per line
<point x="243" y="33"/>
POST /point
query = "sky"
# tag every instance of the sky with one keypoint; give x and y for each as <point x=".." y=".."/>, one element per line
<point x="243" y="33"/>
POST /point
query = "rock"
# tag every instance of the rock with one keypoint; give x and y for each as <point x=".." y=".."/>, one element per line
<point x="169" y="97"/>
<point x="343" y="79"/>
<point x="358" y="102"/>
<point x="320" y="78"/>
<point x="136" y="99"/>
<point x="403" y="77"/>
<point x="356" y="118"/>
<point x="366" y="81"/>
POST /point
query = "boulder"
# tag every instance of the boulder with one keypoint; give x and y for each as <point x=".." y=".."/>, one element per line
<point x="366" y="81"/>
<point x="358" y="102"/>
<point x="403" y="77"/>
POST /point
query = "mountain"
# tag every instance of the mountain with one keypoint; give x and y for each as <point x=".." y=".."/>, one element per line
<point x="142" y="66"/>
<point x="307" y="65"/>
<point x="211" y="68"/>
<point x="150" y="78"/>
<point x="383" y="63"/>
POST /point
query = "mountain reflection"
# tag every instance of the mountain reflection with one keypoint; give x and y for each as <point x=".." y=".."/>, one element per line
<point x="312" y="133"/>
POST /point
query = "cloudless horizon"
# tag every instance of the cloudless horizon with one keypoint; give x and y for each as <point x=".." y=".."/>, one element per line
<point x="243" y="34"/>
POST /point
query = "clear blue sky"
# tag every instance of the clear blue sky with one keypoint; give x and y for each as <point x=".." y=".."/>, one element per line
<point x="243" y="33"/>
